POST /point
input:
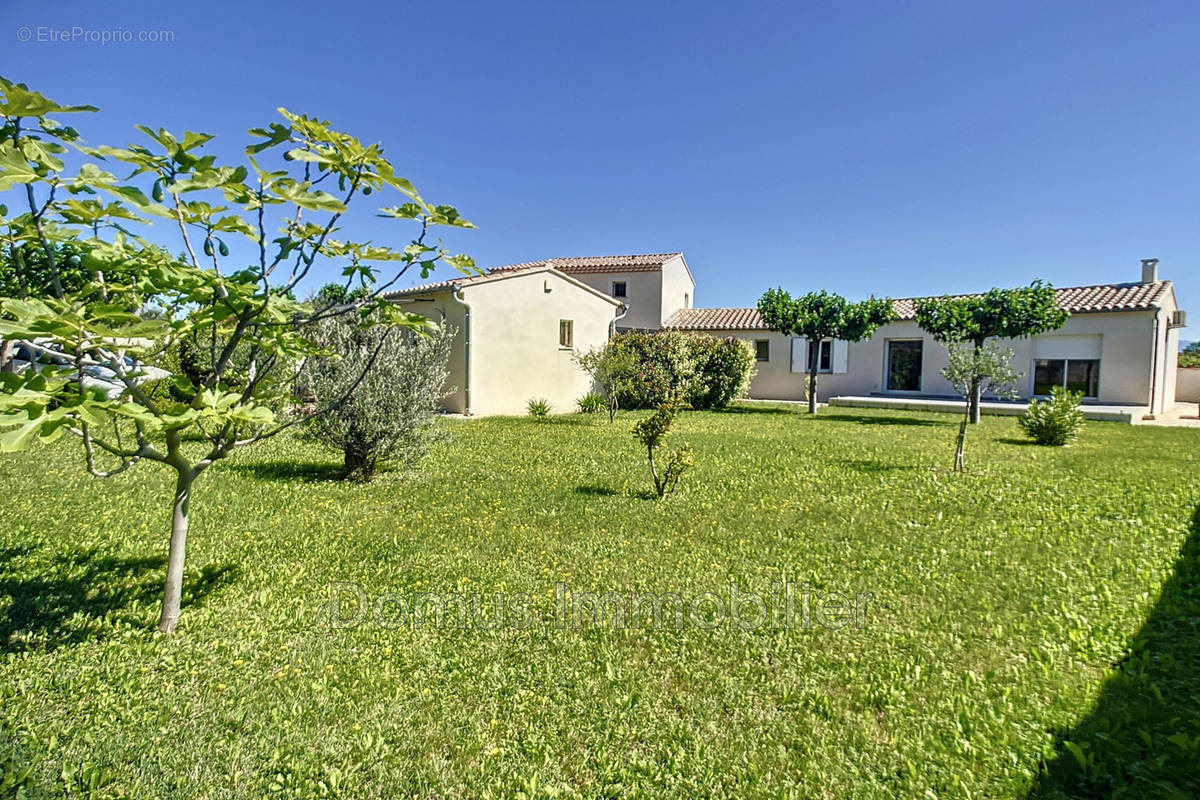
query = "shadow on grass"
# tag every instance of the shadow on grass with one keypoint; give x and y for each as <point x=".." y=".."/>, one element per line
<point x="1143" y="737"/>
<point x="595" y="490"/>
<point x="867" y="419"/>
<point x="1020" y="442"/>
<point x="291" y="470"/>
<point x="750" y="409"/>
<point x="871" y="467"/>
<point x="573" y="418"/>
<point x="81" y="595"/>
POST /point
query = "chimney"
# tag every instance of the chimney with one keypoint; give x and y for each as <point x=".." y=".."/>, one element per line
<point x="1149" y="270"/>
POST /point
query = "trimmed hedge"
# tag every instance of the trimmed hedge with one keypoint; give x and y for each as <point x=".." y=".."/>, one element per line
<point x="704" y="371"/>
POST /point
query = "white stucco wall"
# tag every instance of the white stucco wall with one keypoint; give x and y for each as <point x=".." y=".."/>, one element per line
<point x="651" y="296"/>
<point x="515" y="354"/>
<point x="1187" y="385"/>
<point x="643" y="295"/>
<point x="678" y="288"/>
<point x="1124" y="340"/>
<point x="1166" y="369"/>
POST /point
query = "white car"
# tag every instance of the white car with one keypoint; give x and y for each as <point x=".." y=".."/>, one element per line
<point x="94" y="375"/>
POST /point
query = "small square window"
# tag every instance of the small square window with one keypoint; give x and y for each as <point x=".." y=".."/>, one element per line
<point x="619" y="289"/>
<point x="762" y="349"/>
<point x="566" y="333"/>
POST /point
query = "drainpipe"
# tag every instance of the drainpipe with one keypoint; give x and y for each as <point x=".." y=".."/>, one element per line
<point x="612" y="326"/>
<point x="457" y="295"/>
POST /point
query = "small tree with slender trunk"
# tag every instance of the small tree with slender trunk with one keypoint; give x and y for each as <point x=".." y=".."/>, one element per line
<point x="1000" y="313"/>
<point x="989" y="367"/>
<point x="820" y="315"/>
<point x="281" y="220"/>
<point x="610" y="368"/>
<point x="651" y="432"/>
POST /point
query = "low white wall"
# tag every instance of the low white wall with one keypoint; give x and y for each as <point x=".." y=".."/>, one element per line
<point x="1187" y="385"/>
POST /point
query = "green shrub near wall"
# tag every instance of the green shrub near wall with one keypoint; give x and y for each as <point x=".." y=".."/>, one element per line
<point x="724" y="368"/>
<point x="705" y="371"/>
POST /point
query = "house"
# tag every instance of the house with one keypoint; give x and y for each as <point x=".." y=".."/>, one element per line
<point x="1119" y="347"/>
<point x="517" y="332"/>
<point x="519" y="324"/>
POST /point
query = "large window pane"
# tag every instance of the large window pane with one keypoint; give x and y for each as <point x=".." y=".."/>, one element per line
<point x="1047" y="373"/>
<point x="1083" y="375"/>
<point x="904" y="365"/>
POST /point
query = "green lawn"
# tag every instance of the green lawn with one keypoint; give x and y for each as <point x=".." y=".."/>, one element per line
<point x="1014" y="609"/>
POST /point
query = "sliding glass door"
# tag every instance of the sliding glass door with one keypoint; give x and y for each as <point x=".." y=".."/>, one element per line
<point x="903" y="367"/>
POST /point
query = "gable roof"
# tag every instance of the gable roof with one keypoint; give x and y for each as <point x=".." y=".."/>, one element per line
<point x="491" y="276"/>
<point x="1076" y="299"/>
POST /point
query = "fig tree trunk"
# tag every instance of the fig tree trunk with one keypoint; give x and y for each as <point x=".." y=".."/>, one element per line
<point x="173" y="589"/>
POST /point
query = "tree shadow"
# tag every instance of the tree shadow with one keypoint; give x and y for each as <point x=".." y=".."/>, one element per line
<point x="872" y="467"/>
<point x="83" y="595"/>
<point x="292" y="470"/>
<point x="866" y="419"/>
<point x="749" y="409"/>
<point x="595" y="490"/>
<point x="569" y="419"/>
<point x="1020" y="442"/>
<point x="1143" y="737"/>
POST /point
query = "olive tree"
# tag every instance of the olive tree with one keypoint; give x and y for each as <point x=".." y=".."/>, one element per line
<point x="1000" y="313"/>
<point x="820" y="315"/>
<point x="988" y="368"/>
<point x="279" y="208"/>
<point x="389" y="414"/>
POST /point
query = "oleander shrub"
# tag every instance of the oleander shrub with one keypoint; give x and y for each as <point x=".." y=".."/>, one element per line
<point x="1056" y="421"/>
<point x="704" y="371"/>
<point x="665" y="367"/>
<point x="724" y="368"/>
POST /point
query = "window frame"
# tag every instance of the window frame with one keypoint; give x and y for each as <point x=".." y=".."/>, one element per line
<point x="825" y="357"/>
<point x="759" y="346"/>
<point x="887" y="365"/>
<point x="1066" y="374"/>
<point x="566" y="334"/>
<point x="612" y="289"/>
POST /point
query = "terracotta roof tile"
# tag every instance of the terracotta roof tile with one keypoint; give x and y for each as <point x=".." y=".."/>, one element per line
<point x="716" y="319"/>
<point x="647" y="262"/>
<point x="462" y="280"/>
<point x="1076" y="299"/>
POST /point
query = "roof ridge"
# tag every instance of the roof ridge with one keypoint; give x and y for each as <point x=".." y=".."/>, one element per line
<point x="1095" y="298"/>
<point x="635" y="261"/>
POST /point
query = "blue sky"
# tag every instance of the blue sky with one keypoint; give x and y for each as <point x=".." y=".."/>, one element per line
<point x="889" y="148"/>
